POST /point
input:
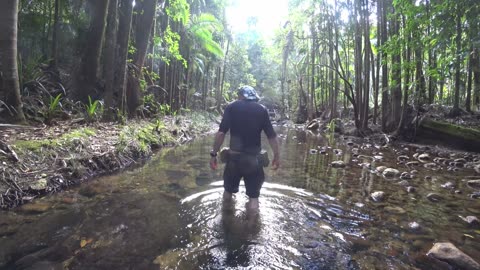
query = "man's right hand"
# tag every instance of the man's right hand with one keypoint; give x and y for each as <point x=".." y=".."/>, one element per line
<point x="275" y="163"/>
<point x="213" y="163"/>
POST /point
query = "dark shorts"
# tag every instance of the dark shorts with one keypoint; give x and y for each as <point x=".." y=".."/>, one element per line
<point x="248" y="167"/>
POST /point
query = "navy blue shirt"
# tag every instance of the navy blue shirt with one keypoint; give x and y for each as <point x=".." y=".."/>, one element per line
<point x="246" y="120"/>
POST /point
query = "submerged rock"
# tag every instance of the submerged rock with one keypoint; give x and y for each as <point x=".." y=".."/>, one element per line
<point x="450" y="254"/>
<point x="423" y="157"/>
<point x="474" y="183"/>
<point x="448" y="185"/>
<point x="338" y="164"/>
<point x="35" y="208"/>
<point x="434" y="197"/>
<point x="410" y="189"/>
<point x="414" y="225"/>
<point x="381" y="168"/>
<point x="413" y="163"/>
<point x="378" y="196"/>
<point x="395" y="209"/>
<point x="390" y="172"/>
<point x="472" y="221"/>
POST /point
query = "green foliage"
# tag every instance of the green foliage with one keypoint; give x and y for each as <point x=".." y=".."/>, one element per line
<point x="53" y="107"/>
<point x="172" y="42"/>
<point x="201" y="30"/>
<point x="92" y="108"/>
<point x="179" y="11"/>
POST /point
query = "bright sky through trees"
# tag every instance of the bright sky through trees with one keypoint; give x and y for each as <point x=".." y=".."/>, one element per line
<point x="270" y="14"/>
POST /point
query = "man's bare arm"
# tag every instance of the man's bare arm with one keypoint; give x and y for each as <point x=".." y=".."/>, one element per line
<point x="219" y="137"/>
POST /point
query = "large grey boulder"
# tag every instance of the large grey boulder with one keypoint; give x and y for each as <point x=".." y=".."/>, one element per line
<point x="450" y="254"/>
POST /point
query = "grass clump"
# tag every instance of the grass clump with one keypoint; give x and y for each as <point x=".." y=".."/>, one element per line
<point x="144" y="138"/>
<point x="67" y="139"/>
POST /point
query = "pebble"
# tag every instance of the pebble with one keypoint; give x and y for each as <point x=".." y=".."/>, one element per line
<point x="378" y="196"/>
<point x="381" y="168"/>
<point x="338" y="164"/>
<point x="414" y="225"/>
<point x="434" y="197"/>
<point x="472" y="221"/>
<point x="423" y="157"/>
<point x="403" y="183"/>
<point x="413" y="163"/>
<point x="474" y="183"/>
<point x="390" y="172"/>
<point x="448" y="185"/>
<point x="410" y="189"/>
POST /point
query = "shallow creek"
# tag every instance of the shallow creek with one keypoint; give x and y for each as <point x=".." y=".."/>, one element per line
<point x="168" y="214"/>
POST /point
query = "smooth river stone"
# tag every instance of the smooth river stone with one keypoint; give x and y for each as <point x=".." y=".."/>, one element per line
<point x="449" y="253"/>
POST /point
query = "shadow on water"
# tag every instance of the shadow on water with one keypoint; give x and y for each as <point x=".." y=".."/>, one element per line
<point x="169" y="215"/>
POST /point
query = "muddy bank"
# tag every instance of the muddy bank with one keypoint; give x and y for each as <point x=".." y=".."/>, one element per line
<point x="36" y="161"/>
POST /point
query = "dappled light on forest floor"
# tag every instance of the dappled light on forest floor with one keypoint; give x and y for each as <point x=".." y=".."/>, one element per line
<point x="335" y="203"/>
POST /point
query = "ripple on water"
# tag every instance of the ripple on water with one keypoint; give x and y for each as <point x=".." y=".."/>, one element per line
<point x="291" y="230"/>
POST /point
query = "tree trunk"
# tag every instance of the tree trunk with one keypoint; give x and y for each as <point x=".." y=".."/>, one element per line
<point x="10" y="90"/>
<point x="124" y="28"/>
<point x="110" y="49"/>
<point x="145" y="13"/>
<point x="87" y="79"/>
<point x="56" y="30"/>
<point x="420" y="88"/>
<point x="476" y="76"/>
<point x="468" y="100"/>
<point x="358" y="63"/>
<point x="458" y="43"/>
<point x="406" y="85"/>
<point x="396" y="79"/>
<point x="366" y="76"/>
<point x="383" y="39"/>
<point x="144" y="21"/>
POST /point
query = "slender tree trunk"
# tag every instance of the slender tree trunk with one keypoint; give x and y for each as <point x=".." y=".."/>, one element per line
<point x="312" y="72"/>
<point x="358" y="64"/>
<point x="366" y="76"/>
<point x="224" y="69"/>
<point x="420" y="88"/>
<point x="458" y="43"/>
<point x="468" y="100"/>
<point x="56" y="30"/>
<point x="476" y="76"/>
<point x="406" y="85"/>
<point x="396" y="78"/>
<point x="123" y="38"/>
<point x="110" y="49"/>
<point x="383" y="39"/>
<point x="10" y="90"/>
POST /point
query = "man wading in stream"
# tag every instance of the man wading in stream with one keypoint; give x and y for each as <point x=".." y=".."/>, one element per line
<point x="245" y="119"/>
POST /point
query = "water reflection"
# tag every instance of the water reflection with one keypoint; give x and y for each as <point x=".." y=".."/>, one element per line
<point x="169" y="215"/>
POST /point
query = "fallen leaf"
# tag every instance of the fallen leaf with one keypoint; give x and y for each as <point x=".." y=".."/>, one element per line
<point x="85" y="242"/>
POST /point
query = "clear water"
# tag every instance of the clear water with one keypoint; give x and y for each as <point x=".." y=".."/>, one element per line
<point x="169" y="214"/>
